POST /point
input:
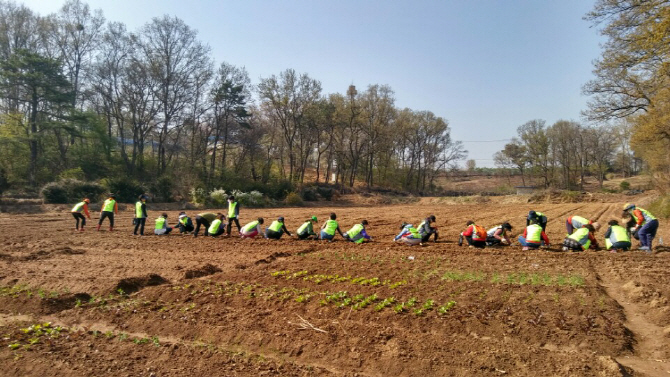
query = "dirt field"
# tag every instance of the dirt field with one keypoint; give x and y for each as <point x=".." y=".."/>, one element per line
<point x="120" y="305"/>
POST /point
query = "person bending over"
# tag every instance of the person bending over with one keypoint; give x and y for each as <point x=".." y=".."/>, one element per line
<point x="217" y="227"/>
<point x="616" y="237"/>
<point x="276" y="229"/>
<point x="357" y="233"/>
<point x="306" y="230"/>
<point x="77" y="213"/>
<point x="498" y="235"/>
<point x="329" y="228"/>
<point x="252" y="229"/>
<point x="474" y="234"/>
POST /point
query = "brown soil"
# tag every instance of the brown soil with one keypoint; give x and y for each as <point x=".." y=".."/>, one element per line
<point x="177" y="305"/>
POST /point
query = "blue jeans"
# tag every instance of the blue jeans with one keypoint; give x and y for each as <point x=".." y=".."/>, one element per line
<point x="326" y="236"/>
<point x="534" y="245"/>
<point x="648" y="232"/>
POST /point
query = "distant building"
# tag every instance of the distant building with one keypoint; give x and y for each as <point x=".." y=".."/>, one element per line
<point x="524" y="190"/>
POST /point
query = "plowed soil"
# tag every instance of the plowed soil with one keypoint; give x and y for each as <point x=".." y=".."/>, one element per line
<point x="109" y="303"/>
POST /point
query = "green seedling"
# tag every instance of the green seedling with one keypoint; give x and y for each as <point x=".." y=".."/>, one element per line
<point x="387" y="302"/>
<point x="14" y="346"/>
<point x="446" y="307"/>
<point x="155" y="341"/>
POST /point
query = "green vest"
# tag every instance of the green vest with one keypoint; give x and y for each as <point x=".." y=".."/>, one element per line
<point x="304" y="228"/>
<point x="415" y="233"/>
<point x="276" y="226"/>
<point x="647" y="215"/>
<point x="160" y="223"/>
<point x="331" y="227"/>
<point x="355" y="230"/>
<point x="618" y="234"/>
<point x="582" y="236"/>
<point x="214" y="226"/>
<point x="250" y="226"/>
<point x="78" y="207"/>
<point x="534" y="233"/>
<point x="108" y="205"/>
<point x="184" y="220"/>
<point x="138" y="210"/>
<point x="580" y="220"/>
<point x="231" y="210"/>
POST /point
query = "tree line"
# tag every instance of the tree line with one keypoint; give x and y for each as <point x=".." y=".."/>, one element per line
<point x="81" y="97"/>
<point x="632" y="77"/>
<point x="563" y="154"/>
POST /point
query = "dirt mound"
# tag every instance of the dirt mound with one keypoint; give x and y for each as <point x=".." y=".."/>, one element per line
<point x="208" y="269"/>
<point x="58" y="304"/>
<point x="273" y="257"/>
<point x="38" y="255"/>
<point x="134" y="284"/>
<point x="69" y="251"/>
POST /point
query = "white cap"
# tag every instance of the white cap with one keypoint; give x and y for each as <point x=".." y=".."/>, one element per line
<point x="182" y="216"/>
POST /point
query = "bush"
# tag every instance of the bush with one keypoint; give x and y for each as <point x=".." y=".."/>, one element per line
<point x="624" y="185"/>
<point x="126" y="190"/>
<point x="71" y="190"/>
<point x="218" y="198"/>
<point x="76" y="173"/>
<point x="250" y="199"/>
<point x="198" y="195"/>
<point x="161" y="190"/>
<point x="325" y="192"/>
<point x="293" y="199"/>
<point x="308" y="194"/>
<point x="660" y="207"/>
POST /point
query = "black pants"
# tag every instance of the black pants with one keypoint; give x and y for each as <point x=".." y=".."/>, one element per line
<point x="218" y="232"/>
<point x="471" y="242"/>
<point x="426" y="237"/>
<point x="107" y="214"/>
<point x="271" y="234"/>
<point x="139" y="224"/>
<point x="304" y="236"/>
<point x="492" y="241"/>
<point x="230" y="224"/>
<point x="185" y="228"/>
<point x="78" y="216"/>
<point x="200" y="221"/>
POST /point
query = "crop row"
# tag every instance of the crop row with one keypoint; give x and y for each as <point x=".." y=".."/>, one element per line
<point x="320" y="278"/>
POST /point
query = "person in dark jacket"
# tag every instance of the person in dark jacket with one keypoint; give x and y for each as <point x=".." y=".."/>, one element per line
<point x="426" y="229"/>
<point x="185" y="224"/>
<point x="140" y="219"/>
<point x="204" y="219"/>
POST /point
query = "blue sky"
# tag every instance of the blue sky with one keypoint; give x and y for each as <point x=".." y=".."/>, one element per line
<point x="486" y="66"/>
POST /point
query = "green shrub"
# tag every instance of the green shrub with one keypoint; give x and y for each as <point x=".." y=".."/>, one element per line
<point x="307" y="194"/>
<point x="249" y="199"/>
<point x="624" y="185"/>
<point x="76" y="173"/>
<point x="161" y="190"/>
<point x="218" y="198"/>
<point x="294" y="199"/>
<point x="70" y="191"/>
<point x="660" y="207"/>
<point x="126" y="190"/>
<point x="325" y="192"/>
<point x="198" y="195"/>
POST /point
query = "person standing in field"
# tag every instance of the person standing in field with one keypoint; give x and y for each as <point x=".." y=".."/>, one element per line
<point x="540" y="217"/>
<point x="616" y="237"/>
<point x="329" y="228"/>
<point x="204" y="220"/>
<point x="233" y="214"/>
<point x="217" y="227"/>
<point x="185" y="224"/>
<point x="646" y="225"/>
<point x="252" y="229"/>
<point x="306" y="230"/>
<point x="498" y="235"/>
<point x="357" y="233"/>
<point x="162" y="227"/>
<point x="581" y="240"/>
<point x="533" y="236"/>
<point x="77" y="213"/>
<point x="475" y="235"/>
<point x="140" y="214"/>
<point x="109" y="208"/>
<point x="276" y="229"/>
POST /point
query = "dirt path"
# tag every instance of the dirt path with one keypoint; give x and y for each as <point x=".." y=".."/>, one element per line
<point x="650" y="345"/>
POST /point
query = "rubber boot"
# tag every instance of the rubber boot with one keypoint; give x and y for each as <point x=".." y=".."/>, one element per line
<point x="111" y="229"/>
<point x="81" y="229"/>
<point x="98" y="228"/>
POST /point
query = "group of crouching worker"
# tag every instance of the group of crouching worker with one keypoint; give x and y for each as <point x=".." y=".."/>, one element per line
<point x="636" y="223"/>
